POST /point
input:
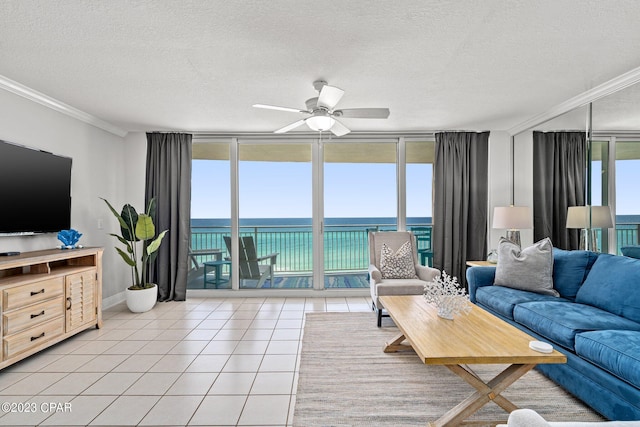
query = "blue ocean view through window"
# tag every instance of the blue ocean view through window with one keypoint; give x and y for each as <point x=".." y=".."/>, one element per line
<point x="345" y="239"/>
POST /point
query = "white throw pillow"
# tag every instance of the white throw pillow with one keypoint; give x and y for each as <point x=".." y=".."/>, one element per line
<point x="399" y="265"/>
<point x="529" y="269"/>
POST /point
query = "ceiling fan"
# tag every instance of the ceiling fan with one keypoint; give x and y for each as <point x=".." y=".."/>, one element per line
<point x="322" y="112"/>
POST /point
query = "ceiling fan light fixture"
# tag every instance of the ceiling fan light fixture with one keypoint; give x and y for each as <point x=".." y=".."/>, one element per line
<point x="320" y="123"/>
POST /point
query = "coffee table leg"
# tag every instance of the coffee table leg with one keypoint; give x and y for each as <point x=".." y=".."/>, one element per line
<point x="486" y="392"/>
<point x="396" y="345"/>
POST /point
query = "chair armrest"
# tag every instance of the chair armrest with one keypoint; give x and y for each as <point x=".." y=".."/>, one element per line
<point x="273" y="257"/>
<point x="478" y="277"/>
<point x="427" y="273"/>
<point x="374" y="273"/>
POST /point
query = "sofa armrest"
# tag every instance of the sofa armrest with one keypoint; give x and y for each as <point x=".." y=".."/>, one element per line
<point x="374" y="273"/>
<point x="426" y="273"/>
<point x="526" y="418"/>
<point x="478" y="277"/>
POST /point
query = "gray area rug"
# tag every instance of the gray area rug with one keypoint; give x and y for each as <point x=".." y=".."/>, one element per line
<point x="347" y="380"/>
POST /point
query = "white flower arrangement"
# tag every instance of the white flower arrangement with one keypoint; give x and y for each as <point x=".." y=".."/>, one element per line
<point x="445" y="293"/>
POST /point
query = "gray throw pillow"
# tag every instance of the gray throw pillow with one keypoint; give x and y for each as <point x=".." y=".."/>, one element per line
<point x="398" y="265"/>
<point x="529" y="269"/>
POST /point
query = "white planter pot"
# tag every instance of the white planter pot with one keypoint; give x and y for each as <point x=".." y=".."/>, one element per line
<point x="141" y="300"/>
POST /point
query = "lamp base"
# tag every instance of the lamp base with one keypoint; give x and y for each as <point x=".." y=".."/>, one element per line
<point x="589" y="240"/>
<point x="514" y="236"/>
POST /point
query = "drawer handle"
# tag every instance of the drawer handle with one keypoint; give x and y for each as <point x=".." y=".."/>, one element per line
<point x="68" y="303"/>
<point x="38" y="337"/>
<point x="41" y="291"/>
<point x="39" y="314"/>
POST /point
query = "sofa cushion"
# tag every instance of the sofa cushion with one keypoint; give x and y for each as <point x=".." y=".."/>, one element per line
<point x="615" y="351"/>
<point x="528" y="269"/>
<point x="631" y="251"/>
<point x="399" y="287"/>
<point x="503" y="300"/>
<point x="613" y="284"/>
<point x="570" y="268"/>
<point x="560" y="321"/>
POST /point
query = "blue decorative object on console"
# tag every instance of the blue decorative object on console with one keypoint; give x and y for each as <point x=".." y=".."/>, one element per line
<point x="69" y="239"/>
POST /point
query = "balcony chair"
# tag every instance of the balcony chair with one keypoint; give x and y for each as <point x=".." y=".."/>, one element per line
<point x="248" y="263"/>
<point x="409" y="280"/>
<point x="195" y="257"/>
<point x="423" y="242"/>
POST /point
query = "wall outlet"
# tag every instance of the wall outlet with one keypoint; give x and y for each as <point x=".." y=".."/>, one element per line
<point x="100" y="224"/>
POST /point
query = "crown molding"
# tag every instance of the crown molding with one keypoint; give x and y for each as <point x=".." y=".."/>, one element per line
<point x="607" y="88"/>
<point x="59" y="106"/>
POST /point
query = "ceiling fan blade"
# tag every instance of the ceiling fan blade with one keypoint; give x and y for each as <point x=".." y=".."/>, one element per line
<point x="290" y="127"/>
<point x="338" y="129"/>
<point x="329" y="96"/>
<point x="275" y="107"/>
<point x="363" y="113"/>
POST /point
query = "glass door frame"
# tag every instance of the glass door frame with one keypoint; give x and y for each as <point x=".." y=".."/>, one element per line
<point x="317" y="161"/>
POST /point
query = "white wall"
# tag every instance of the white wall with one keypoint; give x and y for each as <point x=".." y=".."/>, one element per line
<point x="100" y="167"/>
<point x="499" y="180"/>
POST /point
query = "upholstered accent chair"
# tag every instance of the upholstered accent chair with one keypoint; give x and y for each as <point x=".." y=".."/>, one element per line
<point x="381" y="282"/>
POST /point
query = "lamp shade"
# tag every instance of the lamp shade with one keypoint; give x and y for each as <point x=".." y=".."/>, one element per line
<point x="512" y="217"/>
<point x="579" y="216"/>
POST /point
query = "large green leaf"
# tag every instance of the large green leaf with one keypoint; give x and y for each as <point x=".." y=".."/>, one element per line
<point x="130" y="217"/>
<point x="145" y="229"/>
<point x="116" y="214"/>
<point x="126" y="257"/>
<point x="124" y="242"/>
<point x="151" y="209"/>
<point x="153" y="246"/>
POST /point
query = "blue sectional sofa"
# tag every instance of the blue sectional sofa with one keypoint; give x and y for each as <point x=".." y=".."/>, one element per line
<point x="595" y="322"/>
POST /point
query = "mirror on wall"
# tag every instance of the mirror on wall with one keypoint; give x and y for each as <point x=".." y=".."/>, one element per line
<point x="616" y="164"/>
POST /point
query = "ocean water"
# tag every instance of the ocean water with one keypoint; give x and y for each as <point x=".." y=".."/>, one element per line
<point x="275" y="223"/>
<point x="345" y="239"/>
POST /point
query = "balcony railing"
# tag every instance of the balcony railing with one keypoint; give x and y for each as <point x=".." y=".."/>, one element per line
<point x="345" y="246"/>
<point x="627" y="234"/>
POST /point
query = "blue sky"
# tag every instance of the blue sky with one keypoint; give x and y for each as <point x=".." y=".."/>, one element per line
<point x="627" y="181"/>
<point x="284" y="190"/>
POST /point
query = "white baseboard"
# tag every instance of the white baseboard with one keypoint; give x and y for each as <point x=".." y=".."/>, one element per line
<point x="113" y="300"/>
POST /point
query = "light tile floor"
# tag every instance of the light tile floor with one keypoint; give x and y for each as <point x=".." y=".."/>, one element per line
<point x="201" y="362"/>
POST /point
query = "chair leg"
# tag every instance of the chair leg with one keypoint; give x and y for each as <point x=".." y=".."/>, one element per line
<point x="379" y="318"/>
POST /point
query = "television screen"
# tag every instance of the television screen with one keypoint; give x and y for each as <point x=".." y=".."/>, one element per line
<point x="35" y="190"/>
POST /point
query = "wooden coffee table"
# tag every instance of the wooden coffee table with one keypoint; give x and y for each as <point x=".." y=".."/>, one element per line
<point x="475" y="338"/>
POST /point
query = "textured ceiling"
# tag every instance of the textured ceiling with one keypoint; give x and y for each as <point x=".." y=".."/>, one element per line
<point x="199" y="65"/>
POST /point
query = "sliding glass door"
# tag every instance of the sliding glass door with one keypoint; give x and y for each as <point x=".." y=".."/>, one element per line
<point x="627" y="168"/>
<point x="210" y="216"/>
<point x="275" y="213"/>
<point x="360" y="195"/>
<point x="296" y="212"/>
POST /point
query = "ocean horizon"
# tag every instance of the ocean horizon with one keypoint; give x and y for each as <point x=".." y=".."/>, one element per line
<point x="270" y="223"/>
<point x="342" y="221"/>
<point x="345" y="239"/>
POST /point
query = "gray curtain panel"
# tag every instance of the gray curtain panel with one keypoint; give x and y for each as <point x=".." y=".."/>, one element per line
<point x="169" y="181"/>
<point x="460" y="187"/>
<point x="559" y="180"/>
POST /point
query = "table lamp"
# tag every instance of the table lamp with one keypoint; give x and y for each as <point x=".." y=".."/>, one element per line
<point x="587" y="218"/>
<point x="513" y="219"/>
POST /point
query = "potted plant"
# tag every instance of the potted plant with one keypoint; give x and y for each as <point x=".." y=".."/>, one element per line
<point x="138" y="235"/>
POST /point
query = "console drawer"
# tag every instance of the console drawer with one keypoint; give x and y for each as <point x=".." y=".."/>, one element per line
<point x="24" y="318"/>
<point x="21" y="296"/>
<point x="25" y="340"/>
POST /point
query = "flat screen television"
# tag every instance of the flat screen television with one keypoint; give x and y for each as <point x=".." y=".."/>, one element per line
<point x="35" y="191"/>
